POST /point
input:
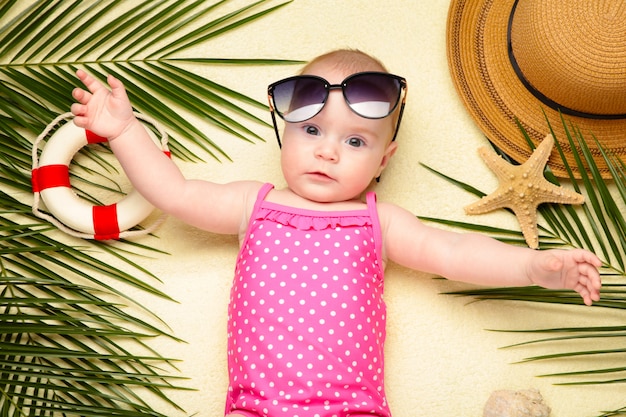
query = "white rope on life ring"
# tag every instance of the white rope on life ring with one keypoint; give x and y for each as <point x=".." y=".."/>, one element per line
<point x="70" y="213"/>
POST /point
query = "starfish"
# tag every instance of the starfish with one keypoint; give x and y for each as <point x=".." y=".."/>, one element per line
<point x="522" y="189"/>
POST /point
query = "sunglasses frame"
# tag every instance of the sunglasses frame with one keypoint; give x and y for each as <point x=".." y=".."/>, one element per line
<point x="329" y="87"/>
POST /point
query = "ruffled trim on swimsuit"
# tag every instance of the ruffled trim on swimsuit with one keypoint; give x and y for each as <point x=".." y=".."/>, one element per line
<point x="316" y="220"/>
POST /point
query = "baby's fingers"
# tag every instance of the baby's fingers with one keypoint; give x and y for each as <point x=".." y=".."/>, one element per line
<point x="81" y="95"/>
<point x="585" y="256"/>
<point x="79" y="111"/>
<point x="587" y="297"/>
<point x="593" y="286"/>
<point x="584" y="293"/>
<point x="593" y="280"/>
<point x="589" y="284"/>
<point x="90" y="82"/>
<point x="117" y="90"/>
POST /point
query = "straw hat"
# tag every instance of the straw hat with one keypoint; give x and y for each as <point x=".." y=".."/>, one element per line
<point x="567" y="55"/>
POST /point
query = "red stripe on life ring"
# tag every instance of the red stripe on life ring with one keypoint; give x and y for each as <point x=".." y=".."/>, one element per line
<point x="50" y="176"/>
<point x="93" y="138"/>
<point x="105" y="222"/>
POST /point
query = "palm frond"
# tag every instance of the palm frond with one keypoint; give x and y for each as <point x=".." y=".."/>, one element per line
<point x="144" y="47"/>
<point x="62" y="345"/>
<point x="600" y="226"/>
<point x="69" y="344"/>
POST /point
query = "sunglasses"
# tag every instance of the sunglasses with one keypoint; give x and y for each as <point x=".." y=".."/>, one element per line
<point x="371" y="95"/>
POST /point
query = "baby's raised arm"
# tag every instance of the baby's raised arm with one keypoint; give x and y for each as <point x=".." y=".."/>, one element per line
<point x="219" y="208"/>
<point x="482" y="260"/>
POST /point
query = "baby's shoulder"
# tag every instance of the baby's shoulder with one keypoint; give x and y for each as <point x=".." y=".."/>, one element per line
<point x="394" y="217"/>
<point x="391" y="210"/>
<point x="243" y="191"/>
<point x="250" y="191"/>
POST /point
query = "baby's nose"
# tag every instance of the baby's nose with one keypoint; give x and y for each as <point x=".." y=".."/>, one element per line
<point x="327" y="150"/>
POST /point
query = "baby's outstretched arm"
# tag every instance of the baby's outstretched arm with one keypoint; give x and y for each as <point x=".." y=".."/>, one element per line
<point x="218" y="208"/>
<point x="478" y="259"/>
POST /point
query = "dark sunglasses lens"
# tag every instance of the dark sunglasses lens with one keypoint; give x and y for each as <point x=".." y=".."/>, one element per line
<point x="299" y="99"/>
<point x="372" y="95"/>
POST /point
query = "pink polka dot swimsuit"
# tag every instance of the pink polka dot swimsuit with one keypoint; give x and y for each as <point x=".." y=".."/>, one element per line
<point x="306" y="325"/>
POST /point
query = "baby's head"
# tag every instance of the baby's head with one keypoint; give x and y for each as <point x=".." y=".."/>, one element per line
<point x="342" y="113"/>
<point x="297" y="98"/>
<point x="351" y="60"/>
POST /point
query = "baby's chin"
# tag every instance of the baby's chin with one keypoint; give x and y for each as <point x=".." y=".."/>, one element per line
<point x="327" y="197"/>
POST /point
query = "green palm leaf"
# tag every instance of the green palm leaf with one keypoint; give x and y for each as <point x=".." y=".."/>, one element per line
<point x="68" y="342"/>
<point x="600" y="226"/>
<point x="150" y="62"/>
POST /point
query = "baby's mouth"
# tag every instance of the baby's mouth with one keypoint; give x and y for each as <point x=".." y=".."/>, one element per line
<point x="319" y="175"/>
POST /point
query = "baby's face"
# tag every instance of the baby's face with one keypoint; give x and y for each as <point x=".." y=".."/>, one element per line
<point x="335" y="155"/>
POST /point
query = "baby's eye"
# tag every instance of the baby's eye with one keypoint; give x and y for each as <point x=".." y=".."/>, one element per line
<point x="312" y="130"/>
<point x="356" y="142"/>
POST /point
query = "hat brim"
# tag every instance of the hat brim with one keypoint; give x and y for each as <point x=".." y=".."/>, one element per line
<point x="478" y="58"/>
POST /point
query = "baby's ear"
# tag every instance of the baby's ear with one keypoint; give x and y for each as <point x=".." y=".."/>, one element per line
<point x="391" y="149"/>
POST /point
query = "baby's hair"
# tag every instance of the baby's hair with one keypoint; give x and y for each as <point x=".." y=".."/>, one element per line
<point x="352" y="60"/>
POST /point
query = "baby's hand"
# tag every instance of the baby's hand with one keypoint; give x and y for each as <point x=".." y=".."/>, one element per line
<point x="575" y="269"/>
<point x="105" y="112"/>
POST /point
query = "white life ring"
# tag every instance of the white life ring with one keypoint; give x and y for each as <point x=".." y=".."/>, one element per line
<point x="72" y="214"/>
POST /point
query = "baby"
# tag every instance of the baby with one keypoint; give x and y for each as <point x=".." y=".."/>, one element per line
<point x="306" y="322"/>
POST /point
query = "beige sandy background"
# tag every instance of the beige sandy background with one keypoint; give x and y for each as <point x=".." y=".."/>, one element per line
<point x="440" y="359"/>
